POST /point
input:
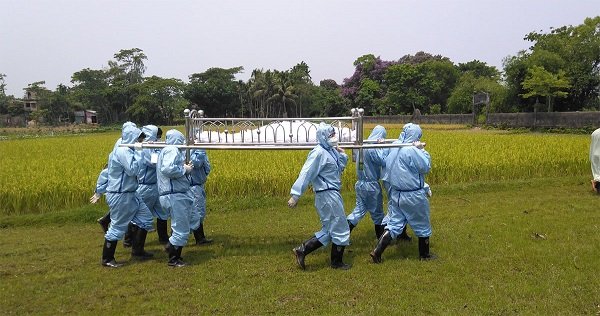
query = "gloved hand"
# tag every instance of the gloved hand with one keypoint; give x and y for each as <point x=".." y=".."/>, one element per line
<point x="419" y="145"/>
<point x="429" y="194"/>
<point x="188" y="168"/>
<point x="292" y="202"/>
<point x="137" y="146"/>
<point x="340" y="149"/>
<point x="95" y="198"/>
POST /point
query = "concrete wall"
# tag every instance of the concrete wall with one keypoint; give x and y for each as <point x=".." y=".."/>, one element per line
<point x="422" y="119"/>
<point x="545" y="119"/>
<point x="528" y="120"/>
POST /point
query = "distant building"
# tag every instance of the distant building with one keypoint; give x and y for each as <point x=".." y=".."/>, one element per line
<point x="86" y="117"/>
<point x="30" y="101"/>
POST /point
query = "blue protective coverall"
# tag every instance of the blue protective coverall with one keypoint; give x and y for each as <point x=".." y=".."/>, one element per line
<point x="369" y="196"/>
<point x="148" y="188"/>
<point x="174" y="188"/>
<point x="405" y="172"/>
<point x="124" y="203"/>
<point x="197" y="178"/>
<point x="323" y="169"/>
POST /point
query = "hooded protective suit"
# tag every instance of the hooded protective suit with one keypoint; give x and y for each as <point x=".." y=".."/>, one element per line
<point x="369" y="196"/>
<point x="405" y="172"/>
<point x="322" y="170"/>
<point x="174" y="188"/>
<point x="148" y="187"/>
<point x="197" y="178"/>
<point x="124" y="203"/>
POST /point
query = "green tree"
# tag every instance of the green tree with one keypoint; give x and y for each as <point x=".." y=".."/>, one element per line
<point x="126" y="70"/>
<point x="91" y="89"/>
<point x="542" y="83"/>
<point x="283" y="95"/>
<point x="215" y="91"/>
<point x="410" y="87"/>
<point x="479" y="69"/>
<point x="461" y="99"/>
<point x="158" y="101"/>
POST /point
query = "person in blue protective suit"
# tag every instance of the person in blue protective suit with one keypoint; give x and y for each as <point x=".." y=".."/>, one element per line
<point x="148" y="188"/>
<point x="405" y="172"/>
<point x="104" y="221"/>
<point x="123" y="201"/>
<point x="175" y="194"/>
<point x="369" y="195"/>
<point x="323" y="169"/>
<point x="197" y="177"/>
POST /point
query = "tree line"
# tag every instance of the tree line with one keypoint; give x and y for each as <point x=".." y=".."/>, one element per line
<point x="559" y="72"/>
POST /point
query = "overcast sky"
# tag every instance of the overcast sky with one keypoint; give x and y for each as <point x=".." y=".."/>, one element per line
<point x="49" y="40"/>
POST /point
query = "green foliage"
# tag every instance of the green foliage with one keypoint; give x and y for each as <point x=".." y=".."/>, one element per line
<point x="540" y="82"/>
<point x="215" y="91"/>
<point x="461" y="100"/>
<point x="435" y="109"/>
<point x="574" y="50"/>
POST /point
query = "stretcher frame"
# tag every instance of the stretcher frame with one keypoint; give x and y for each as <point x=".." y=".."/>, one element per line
<point x="245" y="133"/>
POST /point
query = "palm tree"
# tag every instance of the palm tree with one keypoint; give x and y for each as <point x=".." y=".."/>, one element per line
<point x="284" y="93"/>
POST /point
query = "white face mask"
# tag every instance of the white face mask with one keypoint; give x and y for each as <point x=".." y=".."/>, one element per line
<point x="333" y="141"/>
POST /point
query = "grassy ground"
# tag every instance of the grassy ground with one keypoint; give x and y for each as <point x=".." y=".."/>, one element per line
<point x="526" y="247"/>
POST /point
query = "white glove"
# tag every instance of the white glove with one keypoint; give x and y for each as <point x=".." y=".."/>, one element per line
<point x="419" y="145"/>
<point x="429" y="194"/>
<point x="292" y="202"/>
<point x="188" y="168"/>
<point x="95" y="198"/>
<point x="137" y="146"/>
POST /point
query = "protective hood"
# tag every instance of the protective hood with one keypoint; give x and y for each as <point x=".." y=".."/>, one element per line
<point x="128" y="123"/>
<point x="130" y="134"/>
<point x="174" y="137"/>
<point x="378" y="133"/>
<point x="151" y="132"/>
<point x="410" y="133"/>
<point x="323" y="132"/>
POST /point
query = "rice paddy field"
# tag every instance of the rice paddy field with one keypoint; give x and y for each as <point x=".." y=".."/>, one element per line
<point x="46" y="174"/>
<point x="515" y="227"/>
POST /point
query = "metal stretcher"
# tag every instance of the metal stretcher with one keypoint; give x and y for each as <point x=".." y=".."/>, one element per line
<point x="270" y="133"/>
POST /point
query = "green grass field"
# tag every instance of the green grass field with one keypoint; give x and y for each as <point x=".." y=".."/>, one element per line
<point x="515" y="234"/>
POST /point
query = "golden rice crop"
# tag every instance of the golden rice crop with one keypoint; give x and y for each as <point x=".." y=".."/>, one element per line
<point x="47" y="174"/>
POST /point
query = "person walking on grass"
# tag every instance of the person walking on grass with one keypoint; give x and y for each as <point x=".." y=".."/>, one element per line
<point x="124" y="202"/>
<point x="323" y="169"/>
<point x="175" y="195"/>
<point x="405" y="172"/>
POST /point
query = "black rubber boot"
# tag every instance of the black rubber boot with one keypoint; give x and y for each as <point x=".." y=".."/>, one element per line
<point x="424" y="249"/>
<point x="128" y="235"/>
<point x="404" y="236"/>
<point x="304" y="249"/>
<point x="200" y="238"/>
<point x="379" y="230"/>
<point x="351" y="226"/>
<point x="104" y="221"/>
<point x="161" y="230"/>
<point x="384" y="241"/>
<point x="337" y="254"/>
<point x="138" y="242"/>
<point x="175" y="259"/>
<point x="108" y="254"/>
